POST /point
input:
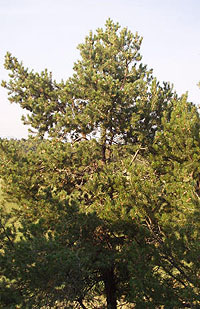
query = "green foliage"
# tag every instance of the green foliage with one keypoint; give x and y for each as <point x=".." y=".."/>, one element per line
<point x="107" y="189"/>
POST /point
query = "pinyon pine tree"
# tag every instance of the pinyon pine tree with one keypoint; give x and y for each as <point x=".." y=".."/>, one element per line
<point x="105" y="189"/>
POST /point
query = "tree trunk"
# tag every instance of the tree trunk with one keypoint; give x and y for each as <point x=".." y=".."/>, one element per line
<point x="103" y="144"/>
<point x="110" y="289"/>
<point x="81" y="303"/>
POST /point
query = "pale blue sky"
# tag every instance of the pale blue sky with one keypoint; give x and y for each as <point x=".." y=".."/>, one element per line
<point x="45" y="33"/>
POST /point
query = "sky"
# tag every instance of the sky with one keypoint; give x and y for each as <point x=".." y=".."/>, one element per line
<point x="45" y="34"/>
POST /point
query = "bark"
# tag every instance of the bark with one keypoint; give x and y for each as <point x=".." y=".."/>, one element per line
<point x="103" y="144"/>
<point x="81" y="304"/>
<point x="110" y="289"/>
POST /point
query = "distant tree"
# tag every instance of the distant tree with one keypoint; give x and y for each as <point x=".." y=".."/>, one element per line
<point x="108" y="205"/>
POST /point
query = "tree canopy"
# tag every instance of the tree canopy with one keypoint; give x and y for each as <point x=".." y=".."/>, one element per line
<point x="106" y="188"/>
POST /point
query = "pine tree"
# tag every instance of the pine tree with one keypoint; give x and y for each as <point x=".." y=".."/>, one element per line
<point x="106" y="188"/>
